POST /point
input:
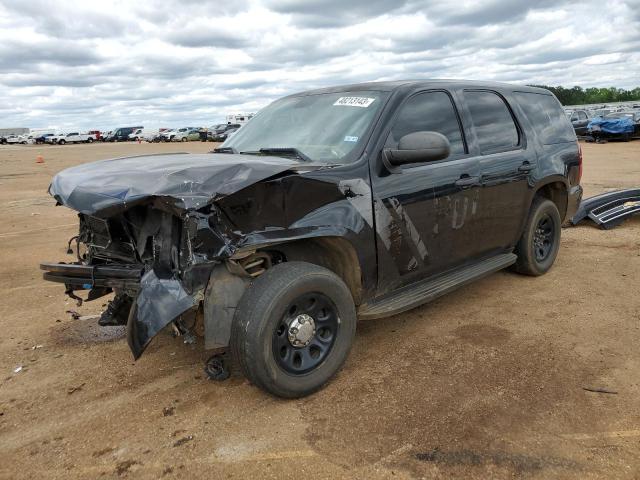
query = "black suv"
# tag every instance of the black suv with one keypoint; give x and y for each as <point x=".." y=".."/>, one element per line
<point x="359" y="201"/>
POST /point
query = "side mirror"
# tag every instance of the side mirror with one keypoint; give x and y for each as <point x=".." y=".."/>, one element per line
<point x="418" y="147"/>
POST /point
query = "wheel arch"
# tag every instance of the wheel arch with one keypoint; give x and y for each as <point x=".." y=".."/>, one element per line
<point x="556" y="190"/>
<point x="334" y="253"/>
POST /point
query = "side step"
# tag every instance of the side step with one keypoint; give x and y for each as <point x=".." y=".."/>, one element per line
<point x="415" y="295"/>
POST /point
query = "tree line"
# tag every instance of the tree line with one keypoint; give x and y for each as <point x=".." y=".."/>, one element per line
<point x="580" y="96"/>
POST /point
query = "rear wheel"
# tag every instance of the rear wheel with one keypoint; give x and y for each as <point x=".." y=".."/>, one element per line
<point x="89" y="140"/>
<point x="293" y="329"/>
<point x="538" y="247"/>
<point x="61" y="142"/>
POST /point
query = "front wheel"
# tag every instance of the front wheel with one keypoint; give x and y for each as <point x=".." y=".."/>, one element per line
<point x="61" y="142"/>
<point x="184" y="139"/>
<point x="293" y="329"/>
<point x="89" y="140"/>
<point x="538" y="247"/>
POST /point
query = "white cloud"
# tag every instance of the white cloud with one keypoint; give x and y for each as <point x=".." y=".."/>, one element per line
<point x="84" y="64"/>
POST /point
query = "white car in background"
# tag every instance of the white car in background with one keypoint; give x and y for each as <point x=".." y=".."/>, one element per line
<point x="146" y="134"/>
<point x="17" y="139"/>
<point x="75" y="137"/>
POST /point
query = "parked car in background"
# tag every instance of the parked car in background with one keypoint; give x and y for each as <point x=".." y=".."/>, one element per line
<point x="623" y="125"/>
<point x="97" y="134"/>
<point x="42" y="138"/>
<point x="218" y="133"/>
<point x="14" y="139"/>
<point x="3" y="140"/>
<point x="146" y="134"/>
<point x="121" y="134"/>
<point x="360" y="201"/>
<point x="105" y="135"/>
<point x="167" y="135"/>
<point x="579" y="119"/>
<point x="186" y="134"/>
<point x="76" y="137"/>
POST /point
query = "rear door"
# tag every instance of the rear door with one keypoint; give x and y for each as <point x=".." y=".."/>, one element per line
<point x="505" y="165"/>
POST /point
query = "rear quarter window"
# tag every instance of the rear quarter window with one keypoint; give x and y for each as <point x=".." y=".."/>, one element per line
<point x="546" y="117"/>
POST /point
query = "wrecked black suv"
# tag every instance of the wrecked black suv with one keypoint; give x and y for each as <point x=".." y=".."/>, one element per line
<point x="359" y="201"/>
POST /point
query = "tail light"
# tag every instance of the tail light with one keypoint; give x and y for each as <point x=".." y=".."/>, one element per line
<point x="579" y="163"/>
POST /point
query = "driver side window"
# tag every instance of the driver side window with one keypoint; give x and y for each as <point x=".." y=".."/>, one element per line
<point x="428" y="112"/>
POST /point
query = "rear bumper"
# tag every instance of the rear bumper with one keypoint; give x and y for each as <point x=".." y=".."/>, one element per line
<point x="573" y="202"/>
<point x="85" y="277"/>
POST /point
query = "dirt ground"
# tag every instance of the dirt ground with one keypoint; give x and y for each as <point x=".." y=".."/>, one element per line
<point x="487" y="382"/>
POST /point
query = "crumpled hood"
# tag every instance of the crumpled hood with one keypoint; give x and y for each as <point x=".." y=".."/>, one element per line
<point x="181" y="181"/>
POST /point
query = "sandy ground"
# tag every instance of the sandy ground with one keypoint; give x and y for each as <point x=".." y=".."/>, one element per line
<point x="486" y="382"/>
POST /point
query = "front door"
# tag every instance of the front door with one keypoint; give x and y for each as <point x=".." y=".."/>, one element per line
<point x="425" y="213"/>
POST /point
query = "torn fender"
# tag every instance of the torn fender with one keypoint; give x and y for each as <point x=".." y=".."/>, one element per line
<point x="176" y="182"/>
<point x="159" y="302"/>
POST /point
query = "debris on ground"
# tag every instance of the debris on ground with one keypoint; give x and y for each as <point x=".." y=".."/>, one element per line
<point x="18" y="369"/>
<point x="35" y="347"/>
<point x="75" y="315"/>
<point x="183" y="440"/>
<point x="609" y="209"/>
<point x="71" y="390"/>
<point x="123" y="467"/>
<point x="168" y="411"/>
<point x="599" y="390"/>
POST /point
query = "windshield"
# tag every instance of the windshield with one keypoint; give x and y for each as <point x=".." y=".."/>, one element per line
<point x="324" y="127"/>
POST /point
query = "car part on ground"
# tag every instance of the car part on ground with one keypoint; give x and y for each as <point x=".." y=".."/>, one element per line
<point x="610" y="209"/>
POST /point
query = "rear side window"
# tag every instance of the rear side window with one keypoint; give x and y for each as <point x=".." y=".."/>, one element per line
<point x="493" y="122"/>
<point x="428" y="112"/>
<point x="546" y="117"/>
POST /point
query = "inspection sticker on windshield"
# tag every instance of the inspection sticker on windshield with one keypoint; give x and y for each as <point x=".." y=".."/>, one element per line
<point x="362" y="102"/>
<point x="350" y="139"/>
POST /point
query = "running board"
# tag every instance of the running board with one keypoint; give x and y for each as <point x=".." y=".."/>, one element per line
<point x="415" y="295"/>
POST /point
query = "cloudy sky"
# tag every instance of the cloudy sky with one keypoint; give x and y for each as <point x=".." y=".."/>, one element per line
<point x="84" y="64"/>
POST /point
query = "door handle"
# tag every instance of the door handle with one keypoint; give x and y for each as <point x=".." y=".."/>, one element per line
<point x="526" y="167"/>
<point x="467" y="181"/>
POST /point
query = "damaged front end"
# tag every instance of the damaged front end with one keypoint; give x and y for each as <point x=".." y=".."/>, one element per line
<point x="157" y="245"/>
<point x="160" y="260"/>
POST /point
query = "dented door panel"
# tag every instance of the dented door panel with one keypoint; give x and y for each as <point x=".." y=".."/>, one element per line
<point x="426" y="223"/>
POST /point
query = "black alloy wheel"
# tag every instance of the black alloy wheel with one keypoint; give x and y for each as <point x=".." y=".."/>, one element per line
<point x="293" y="328"/>
<point x="543" y="238"/>
<point x="306" y="333"/>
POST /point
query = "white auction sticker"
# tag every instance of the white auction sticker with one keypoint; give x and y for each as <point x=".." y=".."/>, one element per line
<point x="362" y="102"/>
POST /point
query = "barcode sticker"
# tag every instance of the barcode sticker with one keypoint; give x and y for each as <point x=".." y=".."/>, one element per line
<point x="362" y="102"/>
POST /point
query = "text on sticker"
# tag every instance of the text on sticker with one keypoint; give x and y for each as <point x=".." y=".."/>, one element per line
<point x="362" y="102"/>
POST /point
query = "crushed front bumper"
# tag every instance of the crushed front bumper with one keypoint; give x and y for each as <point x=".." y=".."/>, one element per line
<point x="86" y="277"/>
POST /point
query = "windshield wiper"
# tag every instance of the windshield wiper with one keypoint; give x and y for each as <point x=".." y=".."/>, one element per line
<point x="225" y="150"/>
<point x="282" y="152"/>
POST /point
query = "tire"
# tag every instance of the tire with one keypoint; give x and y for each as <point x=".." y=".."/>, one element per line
<point x="90" y="140"/>
<point x="184" y="139"/>
<point x="61" y="142"/>
<point x="538" y="247"/>
<point x="261" y="332"/>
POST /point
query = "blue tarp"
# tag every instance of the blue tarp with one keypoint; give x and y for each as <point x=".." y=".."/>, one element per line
<point x="611" y="125"/>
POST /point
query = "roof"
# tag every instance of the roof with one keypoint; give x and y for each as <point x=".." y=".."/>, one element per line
<point x="388" y="86"/>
